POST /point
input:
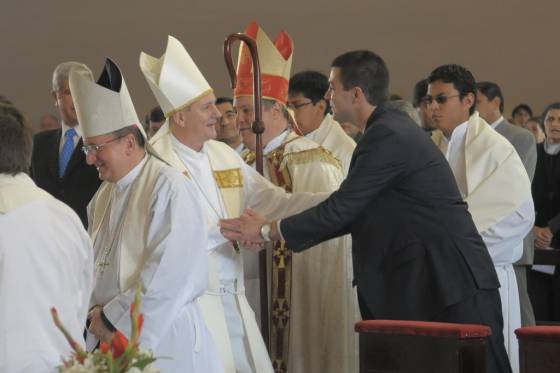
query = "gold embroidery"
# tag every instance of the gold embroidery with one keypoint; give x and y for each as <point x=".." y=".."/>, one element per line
<point x="311" y="155"/>
<point x="231" y="178"/>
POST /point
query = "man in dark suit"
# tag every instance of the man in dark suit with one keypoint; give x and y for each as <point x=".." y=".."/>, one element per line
<point x="417" y="254"/>
<point x="490" y="106"/>
<point x="58" y="164"/>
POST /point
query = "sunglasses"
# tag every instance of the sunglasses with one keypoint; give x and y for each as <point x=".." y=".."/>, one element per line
<point x="440" y="99"/>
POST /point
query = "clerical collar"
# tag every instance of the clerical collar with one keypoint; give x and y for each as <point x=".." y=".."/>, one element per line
<point x="127" y="179"/>
<point x="187" y="151"/>
<point x="495" y="124"/>
<point x="275" y="142"/>
<point x="551" y="149"/>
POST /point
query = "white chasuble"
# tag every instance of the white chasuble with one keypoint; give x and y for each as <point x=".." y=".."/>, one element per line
<point x="146" y="228"/>
<point x="496" y="187"/>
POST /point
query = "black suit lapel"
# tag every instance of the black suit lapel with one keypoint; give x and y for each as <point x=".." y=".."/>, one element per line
<point x="53" y="153"/>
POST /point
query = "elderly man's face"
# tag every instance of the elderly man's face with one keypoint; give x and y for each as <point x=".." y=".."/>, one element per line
<point x="65" y="105"/>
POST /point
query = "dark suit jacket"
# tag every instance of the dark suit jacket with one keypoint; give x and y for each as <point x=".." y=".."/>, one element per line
<point x="524" y="143"/>
<point x="80" y="181"/>
<point x="415" y="248"/>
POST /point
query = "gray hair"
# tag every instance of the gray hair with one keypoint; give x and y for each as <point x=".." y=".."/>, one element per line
<point x="61" y="72"/>
<point x="404" y="107"/>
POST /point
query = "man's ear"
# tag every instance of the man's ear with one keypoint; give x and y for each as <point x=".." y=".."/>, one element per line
<point x="178" y="118"/>
<point x="53" y="94"/>
<point x="469" y="99"/>
<point x="357" y="94"/>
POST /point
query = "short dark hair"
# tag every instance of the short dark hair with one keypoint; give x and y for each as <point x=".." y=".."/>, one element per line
<point x="364" y="69"/>
<point x="522" y="107"/>
<point x="553" y="106"/>
<point x="135" y="131"/>
<point x="419" y="92"/>
<point x="16" y="145"/>
<point x="461" y="77"/>
<point x="221" y="100"/>
<point x="311" y="84"/>
<point x="156" y="115"/>
<point x="491" y="91"/>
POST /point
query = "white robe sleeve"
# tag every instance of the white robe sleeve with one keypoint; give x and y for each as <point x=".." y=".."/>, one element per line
<point x="274" y="202"/>
<point x="505" y="239"/>
<point x="176" y="271"/>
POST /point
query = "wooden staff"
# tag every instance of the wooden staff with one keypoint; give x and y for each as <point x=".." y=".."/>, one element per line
<point x="258" y="129"/>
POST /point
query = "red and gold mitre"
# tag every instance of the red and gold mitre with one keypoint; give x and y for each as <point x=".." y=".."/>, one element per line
<point x="275" y="61"/>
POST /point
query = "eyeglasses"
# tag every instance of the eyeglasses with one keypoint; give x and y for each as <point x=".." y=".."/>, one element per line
<point x="300" y="105"/>
<point x="96" y="148"/>
<point x="440" y="99"/>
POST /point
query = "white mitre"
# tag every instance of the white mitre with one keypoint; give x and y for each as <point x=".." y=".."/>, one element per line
<point x="174" y="78"/>
<point x="104" y="106"/>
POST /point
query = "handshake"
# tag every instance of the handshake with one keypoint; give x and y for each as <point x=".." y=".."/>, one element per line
<point x="250" y="230"/>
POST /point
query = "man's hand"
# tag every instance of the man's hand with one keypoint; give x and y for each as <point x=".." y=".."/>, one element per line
<point x="97" y="327"/>
<point x="246" y="228"/>
<point x="543" y="237"/>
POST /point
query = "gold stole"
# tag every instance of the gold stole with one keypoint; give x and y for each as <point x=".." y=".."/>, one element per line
<point x="281" y="268"/>
<point x="132" y="238"/>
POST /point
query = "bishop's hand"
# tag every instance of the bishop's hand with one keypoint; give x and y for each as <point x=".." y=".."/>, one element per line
<point x="246" y="229"/>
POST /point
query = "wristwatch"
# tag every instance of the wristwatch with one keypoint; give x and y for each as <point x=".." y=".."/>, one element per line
<point x="265" y="232"/>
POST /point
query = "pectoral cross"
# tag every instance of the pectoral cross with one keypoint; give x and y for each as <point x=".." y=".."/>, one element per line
<point x="104" y="262"/>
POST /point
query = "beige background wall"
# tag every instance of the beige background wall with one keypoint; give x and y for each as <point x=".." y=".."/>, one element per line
<point x="514" y="43"/>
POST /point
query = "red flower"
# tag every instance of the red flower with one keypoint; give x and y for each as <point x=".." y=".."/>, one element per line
<point x="104" y="347"/>
<point x="140" y="323"/>
<point x="119" y="344"/>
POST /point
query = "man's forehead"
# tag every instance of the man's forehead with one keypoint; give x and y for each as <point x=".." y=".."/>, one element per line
<point x="441" y="87"/>
<point x="296" y="97"/>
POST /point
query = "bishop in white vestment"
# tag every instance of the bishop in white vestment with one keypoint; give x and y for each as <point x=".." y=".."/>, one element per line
<point x="145" y="230"/>
<point x="227" y="186"/>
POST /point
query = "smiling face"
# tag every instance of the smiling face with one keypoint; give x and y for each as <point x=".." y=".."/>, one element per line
<point x="552" y="126"/>
<point x="196" y="124"/>
<point x="226" y="127"/>
<point x="110" y="159"/>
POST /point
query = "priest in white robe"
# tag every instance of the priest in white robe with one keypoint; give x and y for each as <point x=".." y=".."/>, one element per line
<point x="146" y="229"/>
<point x="46" y="261"/>
<point x="492" y="180"/>
<point x="227" y="186"/>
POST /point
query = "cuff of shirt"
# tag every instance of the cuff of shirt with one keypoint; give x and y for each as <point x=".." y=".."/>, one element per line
<point x="279" y="231"/>
<point x="113" y="312"/>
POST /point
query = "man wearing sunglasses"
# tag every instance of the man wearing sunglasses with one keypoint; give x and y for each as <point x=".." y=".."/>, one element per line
<point x="146" y="231"/>
<point x="306" y="97"/>
<point x="491" y="178"/>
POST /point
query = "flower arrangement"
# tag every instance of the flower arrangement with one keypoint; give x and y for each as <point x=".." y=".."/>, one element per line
<point x="120" y="356"/>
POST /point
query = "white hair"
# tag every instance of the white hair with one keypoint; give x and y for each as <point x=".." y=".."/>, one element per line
<point x="61" y="72"/>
